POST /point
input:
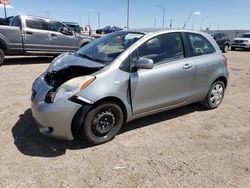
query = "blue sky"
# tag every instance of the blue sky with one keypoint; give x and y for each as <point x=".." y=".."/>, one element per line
<point x="228" y="14"/>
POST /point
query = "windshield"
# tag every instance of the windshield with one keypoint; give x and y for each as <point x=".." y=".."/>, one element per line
<point x="106" y="49"/>
<point x="245" y="35"/>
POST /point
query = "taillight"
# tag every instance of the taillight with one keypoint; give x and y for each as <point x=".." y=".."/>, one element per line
<point x="225" y="60"/>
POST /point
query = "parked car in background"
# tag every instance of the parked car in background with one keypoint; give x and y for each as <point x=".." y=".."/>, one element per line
<point x="222" y="40"/>
<point x="108" y="29"/>
<point x="86" y="30"/>
<point x="242" y="42"/>
<point x="36" y="35"/>
<point x="126" y="75"/>
<point x="73" y="25"/>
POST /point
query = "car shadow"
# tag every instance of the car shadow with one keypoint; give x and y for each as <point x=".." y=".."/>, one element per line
<point x="30" y="141"/>
<point x="26" y="60"/>
<point x="163" y="116"/>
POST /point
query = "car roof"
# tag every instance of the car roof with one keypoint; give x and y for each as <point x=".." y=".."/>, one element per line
<point x="71" y="23"/>
<point x="160" y="30"/>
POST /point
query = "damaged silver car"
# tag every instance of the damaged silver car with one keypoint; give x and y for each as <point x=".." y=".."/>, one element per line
<point x="126" y="75"/>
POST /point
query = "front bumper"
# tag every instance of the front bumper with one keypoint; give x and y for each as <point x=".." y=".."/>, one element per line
<point x="240" y="45"/>
<point x="53" y="119"/>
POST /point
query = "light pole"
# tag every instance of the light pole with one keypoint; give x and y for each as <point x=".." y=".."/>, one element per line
<point x="128" y="4"/>
<point x="48" y="13"/>
<point x="88" y="18"/>
<point x="163" y="15"/>
<point x="190" y="15"/>
<point x="99" y="18"/>
<point x="155" y="23"/>
<point x="202" y="20"/>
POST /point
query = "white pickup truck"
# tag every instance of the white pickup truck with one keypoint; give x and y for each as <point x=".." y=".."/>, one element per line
<point x="36" y="35"/>
<point x="242" y="42"/>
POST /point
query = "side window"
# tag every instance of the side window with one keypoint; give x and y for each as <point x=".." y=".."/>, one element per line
<point x="56" y="26"/>
<point x="200" y="45"/>
<point x="16" y="22"/>
<point x="163" y="48"/>
<point x="37" y="24"/>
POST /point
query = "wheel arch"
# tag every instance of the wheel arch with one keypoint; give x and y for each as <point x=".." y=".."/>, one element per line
<point x="117" y="101"/>
<point x="78" y="119"/>
<point x="221" y="78"/>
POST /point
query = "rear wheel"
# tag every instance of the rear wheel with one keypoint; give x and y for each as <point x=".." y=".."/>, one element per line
<point x="2" y="58"/>
<point x="102" y="123"/>
<point x="215" y="95"/>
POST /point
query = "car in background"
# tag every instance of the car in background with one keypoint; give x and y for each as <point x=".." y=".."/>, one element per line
<point x="222" y="40"/>
<point x="32" y="35"/>
<point x="108" y="29"/>
<point x="127" y="75"/>
<point x="86" y="30"/>
<point x="242" y="42"/>
<point x="73" y="25"/>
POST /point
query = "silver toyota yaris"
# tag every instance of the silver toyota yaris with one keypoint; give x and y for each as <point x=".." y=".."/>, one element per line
<point x="126" y="75"/>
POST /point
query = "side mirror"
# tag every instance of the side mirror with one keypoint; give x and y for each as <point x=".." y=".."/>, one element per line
<point x="144" y="63"/>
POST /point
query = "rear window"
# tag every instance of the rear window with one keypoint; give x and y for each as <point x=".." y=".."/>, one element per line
<point x="16" y="22"/>
<point x="200" y="45"/>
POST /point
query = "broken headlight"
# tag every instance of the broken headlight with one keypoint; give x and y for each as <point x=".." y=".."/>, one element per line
<point x="71" y="87"/>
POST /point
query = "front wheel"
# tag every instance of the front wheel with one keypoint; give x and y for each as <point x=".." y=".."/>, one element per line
<point x="215" y="95"/>
<point x="102" y="123"/>
<point x="2" y="58"/>
<point x="225" y="49"/>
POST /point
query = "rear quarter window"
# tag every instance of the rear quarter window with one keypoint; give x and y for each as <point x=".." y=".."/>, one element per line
<point x="199" y="44"/>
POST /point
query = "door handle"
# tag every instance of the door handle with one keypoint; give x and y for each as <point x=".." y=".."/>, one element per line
<point x="187" y="66"/>
<point x="53" y="35"/>
<point x="29" y="33"/>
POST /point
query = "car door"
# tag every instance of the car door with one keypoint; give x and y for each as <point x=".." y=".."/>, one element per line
<point x="61" y="41"/>
<point x="169" y="82"/>
<point x="205" y="59"/>
<point x="36" y="35"/>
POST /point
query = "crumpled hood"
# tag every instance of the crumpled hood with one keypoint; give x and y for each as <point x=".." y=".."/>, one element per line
<point x="71" y="59"/>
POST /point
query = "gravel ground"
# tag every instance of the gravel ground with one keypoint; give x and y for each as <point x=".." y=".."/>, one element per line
<point x="185" y="147"/>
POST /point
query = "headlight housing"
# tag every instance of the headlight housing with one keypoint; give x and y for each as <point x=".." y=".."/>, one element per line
<point x="71" y="87"/>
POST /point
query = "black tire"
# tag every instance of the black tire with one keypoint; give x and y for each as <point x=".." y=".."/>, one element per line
<point x="215" y="95"/>
<point x="2" y="58"/>
<point x="102" y="123"/>
<point x="225" y="49"/>
<point x="233" y="48"/>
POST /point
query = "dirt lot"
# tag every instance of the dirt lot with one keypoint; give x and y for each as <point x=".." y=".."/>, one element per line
<point x="186" y="147"/>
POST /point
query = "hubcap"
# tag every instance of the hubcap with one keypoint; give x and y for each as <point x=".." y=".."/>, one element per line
<point x="216" y="95"/>
<point x="103" y="122"/>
